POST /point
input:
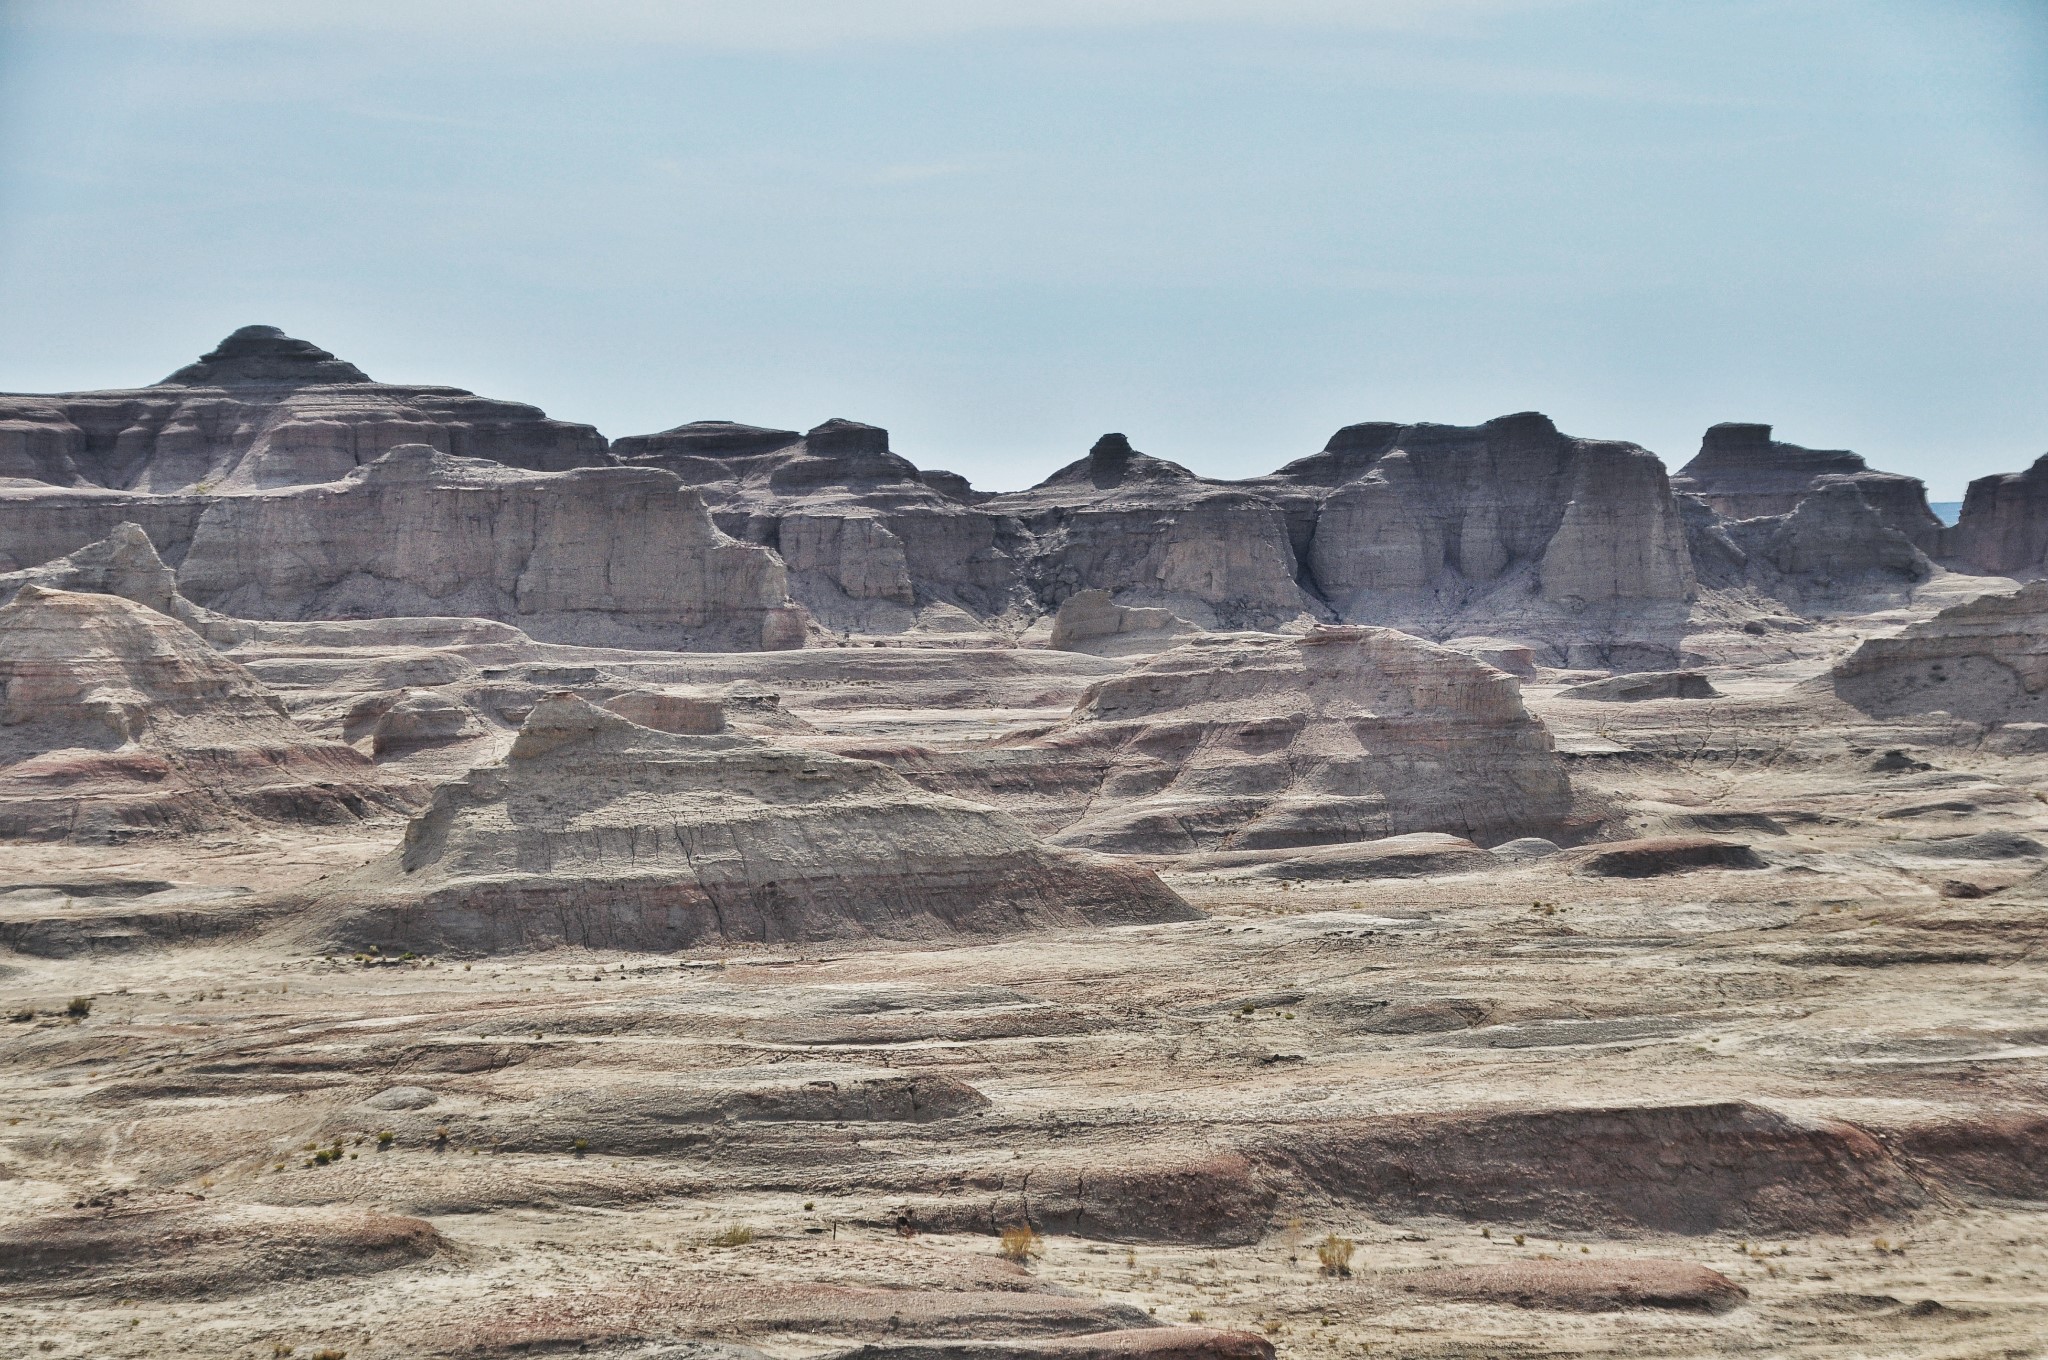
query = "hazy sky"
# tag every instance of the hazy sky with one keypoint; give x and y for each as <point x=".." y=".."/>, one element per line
<point x="1225" y="227"/>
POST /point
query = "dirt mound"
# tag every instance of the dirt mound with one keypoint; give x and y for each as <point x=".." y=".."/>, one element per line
<point x="1584" y="1286"/>
<point x="1669" y="1168"/>
<point x="118" y="720"/>
<point x="1658" y="855"/>
<point x="1996" y="1154"/>
<point x="596" y="831"/>
<point x="1015" y="1308"/>
<point x="1634" y="689"/>
<point x="191" y="1246"/>
<point x="1140" y="1343"/>
<point x="1122" y="1197"/>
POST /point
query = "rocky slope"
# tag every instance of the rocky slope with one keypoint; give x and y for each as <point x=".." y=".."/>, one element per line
<point x="117" y="720"/>
<point x="261" y="410"/>
<point x="596" y="831"/>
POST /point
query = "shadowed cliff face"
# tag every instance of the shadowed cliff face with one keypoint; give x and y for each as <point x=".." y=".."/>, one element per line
<point x="2004" y="524"/>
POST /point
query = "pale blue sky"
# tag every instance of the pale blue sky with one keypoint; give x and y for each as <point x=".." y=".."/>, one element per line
<point x="1225" y="227"/>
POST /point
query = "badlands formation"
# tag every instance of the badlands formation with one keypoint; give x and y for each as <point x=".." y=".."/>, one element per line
<point x="470" y="888"/>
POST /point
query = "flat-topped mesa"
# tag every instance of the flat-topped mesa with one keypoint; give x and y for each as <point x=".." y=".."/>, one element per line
<point x="263" y="410"/>
<point x="1154" y="534"/>
<point x="2004" y="524"/>
<point x="606" y="556"/>
<point x="1744" y="474"/>
<point x="1400" y="523"/>
<point x="116" y="720"/>
<point x="601" y="833"/>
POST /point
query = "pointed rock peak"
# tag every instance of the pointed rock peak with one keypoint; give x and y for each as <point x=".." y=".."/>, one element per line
<point x="838" y="437"/>
<point x="563" y="719"/>
<point x="1111" y="462"/>
<point x="264" y="356"/>
<point x="123" y="563"/>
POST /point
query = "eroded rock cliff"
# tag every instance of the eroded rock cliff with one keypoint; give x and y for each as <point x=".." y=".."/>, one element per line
<point x="623" y="556"/>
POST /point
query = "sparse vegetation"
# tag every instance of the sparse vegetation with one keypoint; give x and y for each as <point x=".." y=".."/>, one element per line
<point x="1335" y="1253"/>
<point x="1020" y="1244"/>
<point x="738" y="1235"/>
<point x="580" y="1146"/>
<point x="79" y="1007"/>
<point x="385" y="1138"/>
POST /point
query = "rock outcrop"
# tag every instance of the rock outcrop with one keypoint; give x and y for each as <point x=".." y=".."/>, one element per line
<point x="1154" y="534"/>
<point x="123" y="563"/>
<point x="117" y="720"/>
<point x="872" y="542"/>
<point x="612" y="556"/>
<point x="1090" y="621"/>
<point x="264" y="410"/>
<point x="1423" y="519"/>
<point x="1743" y="473"/>
<point x="598" y="832"/>
<point x="1833" y="549"/>
<point x="1346" y="734"/>
<point x="1985" y="660"/>
<point x="2004" y="524"/>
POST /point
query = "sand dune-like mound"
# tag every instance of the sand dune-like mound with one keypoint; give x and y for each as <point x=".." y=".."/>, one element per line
<point x="596" y="831"/>
<point x="118" y="719"/>
<point x="1346" y="734"/>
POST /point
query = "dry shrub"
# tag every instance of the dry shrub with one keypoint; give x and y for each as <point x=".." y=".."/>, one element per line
<point x="1020" y="1244"/>
<point x="1335" y="1254"/>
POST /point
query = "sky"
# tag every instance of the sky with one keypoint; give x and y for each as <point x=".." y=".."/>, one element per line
<point x="1001" y="228"/>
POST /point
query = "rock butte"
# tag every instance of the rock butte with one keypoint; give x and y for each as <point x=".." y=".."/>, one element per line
<point x="471" y="889"/>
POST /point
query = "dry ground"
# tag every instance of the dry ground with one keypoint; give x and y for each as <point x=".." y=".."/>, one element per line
<point x="1822" y="1079"/>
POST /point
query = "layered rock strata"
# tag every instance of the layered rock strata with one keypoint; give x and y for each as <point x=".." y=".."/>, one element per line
<point x="613" y="556"/>
<point x="262" y="410"/>
<point x="1743" y="473"/>
<point x="598" y="832"/>
<point x="117" y="720"/>
<point x="1264" y="743"/>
